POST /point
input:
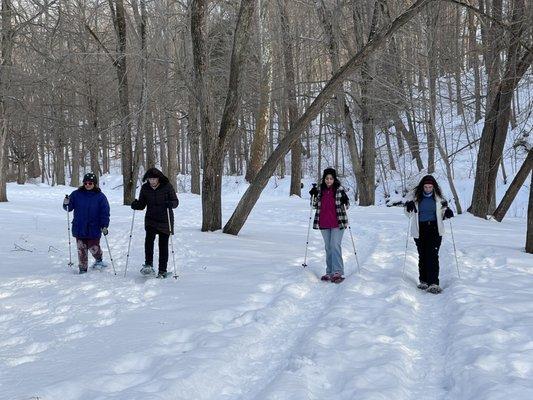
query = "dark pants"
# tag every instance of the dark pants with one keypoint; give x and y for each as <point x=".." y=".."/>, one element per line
<point x="428" y="245"/>
<point x="163" y="248"/>
<point x="86" y="245"/>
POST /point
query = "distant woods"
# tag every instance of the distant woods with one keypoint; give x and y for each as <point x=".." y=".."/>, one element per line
<point x="380" y="90"/>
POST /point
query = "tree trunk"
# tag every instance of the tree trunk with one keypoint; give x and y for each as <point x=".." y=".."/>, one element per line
<point x="59" y="142"/>
<point x="529" y="234"/>
<point x="75" y="157"/>
<point x="515" y="186"/>
<point x="496" y="124"/>
<point x="445" y="159"/>
<point x="492" y="56"/>
<point x="128" y="180"/>
<point x="193" y="135"/>
<point x="92" y="129"/>
<point x="290" y="90"/>
<point x="458" y="63"/>
<point x="473" y="62"/>
<point x="172" y="149"/>
<point x="253" y="192"/>
<point x="150" y="142"/>
<point x="163" y="128"/>
<point x="5" y="72"/>
<point x="392" y="164"/>
<point x="366" y="188"/>
<point x="143" y="99"/>
<point x="411" y="139"/>
<point x="259" y="141"/>
<point x="213" y="145"/>
<point x="433" y="18"/>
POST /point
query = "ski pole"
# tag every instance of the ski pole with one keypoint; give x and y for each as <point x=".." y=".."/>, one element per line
<point x="172" y="244"/>
<point x="455" y="251"/>
<point x="309" y="228"/>
<point x="70" y="263"/>
<point x="353" y="243"/>
<point x="129" y="244"/>
<point x="110" y="256"/>
<point x="406" y="244"/>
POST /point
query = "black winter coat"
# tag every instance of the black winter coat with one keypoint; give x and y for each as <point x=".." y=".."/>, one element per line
<point x="157" y="202"/>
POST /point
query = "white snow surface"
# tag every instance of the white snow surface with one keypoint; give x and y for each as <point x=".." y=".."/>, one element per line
<point x="245" y="321"/>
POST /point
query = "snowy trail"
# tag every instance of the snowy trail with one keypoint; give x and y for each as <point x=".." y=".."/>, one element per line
<point x="245" y="322"/>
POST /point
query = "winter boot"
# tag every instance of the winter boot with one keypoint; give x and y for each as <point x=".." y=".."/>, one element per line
<point x="422" y="286"/>
<point x="100" y="264"/>
<point x="337" y="278"/>
<point x="83" y="270"/>
<point x="326" y="278"/>
<point x="147" y="269"/>
<point x="162" y="274"/>
<point x="435" y="289"/>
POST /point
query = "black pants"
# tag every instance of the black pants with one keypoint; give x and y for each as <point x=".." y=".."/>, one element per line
<point x="163" y="248"/>
<point x="428" y="245"/>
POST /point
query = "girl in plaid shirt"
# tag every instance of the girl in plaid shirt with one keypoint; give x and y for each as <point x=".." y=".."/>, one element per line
<point x="331" y="203"/>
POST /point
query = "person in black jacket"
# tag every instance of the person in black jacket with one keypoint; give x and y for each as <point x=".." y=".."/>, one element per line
<point x="159" y="197"/>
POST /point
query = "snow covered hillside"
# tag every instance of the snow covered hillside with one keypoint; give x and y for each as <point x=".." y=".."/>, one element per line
<point x="245" y="321"/>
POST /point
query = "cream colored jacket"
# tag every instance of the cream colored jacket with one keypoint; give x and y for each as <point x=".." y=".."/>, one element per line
<point x="415" y="231"/>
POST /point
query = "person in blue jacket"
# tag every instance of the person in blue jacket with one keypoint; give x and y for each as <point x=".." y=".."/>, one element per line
<point x="91" y="220"/>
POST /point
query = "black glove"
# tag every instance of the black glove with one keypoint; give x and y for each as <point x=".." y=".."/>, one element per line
<point x="448" y="213"/>
<point x="313" y="192"/>
<point x="344" y="199"/>
<point x="410" y="206"/>
<point x="444" y="204"/>
<point x="105" y="231"/>
<point x="135" y="204"/>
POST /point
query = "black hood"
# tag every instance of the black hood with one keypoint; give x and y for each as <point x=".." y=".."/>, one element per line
<point x="155" y="173"/>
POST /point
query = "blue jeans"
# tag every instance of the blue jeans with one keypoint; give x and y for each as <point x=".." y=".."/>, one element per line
<point x="332" y="244"/>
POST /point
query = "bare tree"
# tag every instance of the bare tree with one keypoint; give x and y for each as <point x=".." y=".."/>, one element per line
<point x="529" y="235"/>
<point x="497" y="120"/>
<point x="253" y="192"/>
<point x="213" y="144"/>
<point x="259" y="141"/>
<point x="514" y="187"/>
<point x="5" y="72"/>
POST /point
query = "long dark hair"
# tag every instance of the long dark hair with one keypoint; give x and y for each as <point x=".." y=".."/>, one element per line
<point x="419" y="189"/>
<point x="333" y="173"/>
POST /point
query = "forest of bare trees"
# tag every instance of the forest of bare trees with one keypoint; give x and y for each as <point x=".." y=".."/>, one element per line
<point x="209" y="88"/>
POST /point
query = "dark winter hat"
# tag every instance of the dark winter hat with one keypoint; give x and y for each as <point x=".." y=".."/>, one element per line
<point x="429" y="180"/>
<point x="90" y="177"/>
<point x="329" y="171"/>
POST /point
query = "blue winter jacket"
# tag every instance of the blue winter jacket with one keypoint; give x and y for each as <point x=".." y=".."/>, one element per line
<point x="91" y="213"/>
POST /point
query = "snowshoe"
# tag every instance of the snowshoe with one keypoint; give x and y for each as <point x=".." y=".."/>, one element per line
<point x="162" y="275"/>
<point x="82" y="270"/>
<point x="434" y="289"/>
<point x="100" y="264"/>
<point x="422" y="286"/>
<point x="147" y="269"/>
<point x="337" y="278"/>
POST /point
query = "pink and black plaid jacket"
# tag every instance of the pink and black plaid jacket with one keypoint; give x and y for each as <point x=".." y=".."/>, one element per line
<point x="342" y="218"/>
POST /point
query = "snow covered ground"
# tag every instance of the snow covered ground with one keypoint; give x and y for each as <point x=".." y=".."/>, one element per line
<point x="246" y="321"/>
